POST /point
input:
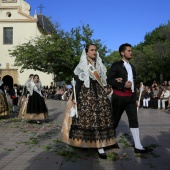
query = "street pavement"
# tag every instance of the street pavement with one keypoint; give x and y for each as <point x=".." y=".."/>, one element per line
<point x="29" y="146"/>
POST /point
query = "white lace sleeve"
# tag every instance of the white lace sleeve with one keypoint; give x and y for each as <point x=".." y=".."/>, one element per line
<point x="30" y="87"/>
<point x="81" y="76"/>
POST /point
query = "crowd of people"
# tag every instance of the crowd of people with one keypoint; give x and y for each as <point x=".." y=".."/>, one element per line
<point x="28" y="100"/>
<point x="57" y="92"/>
<point x="99" y="101"/>
<point x="156" y="96"/>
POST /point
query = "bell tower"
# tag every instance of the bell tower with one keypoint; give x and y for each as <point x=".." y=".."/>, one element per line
<point x="17" y="26"/>
<point x="21" y="4"/>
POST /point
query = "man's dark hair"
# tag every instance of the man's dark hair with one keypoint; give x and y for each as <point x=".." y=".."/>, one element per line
<point x="31" y="75"/>
<point x="87" y="47"/>
<point x="122" y="48"/>
<point x="15" y="85"/>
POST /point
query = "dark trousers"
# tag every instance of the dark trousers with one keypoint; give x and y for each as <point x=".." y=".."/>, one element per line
<point x="124" y="103"/>
<point x="15" y="101"/>
<point x="154" y="103"/>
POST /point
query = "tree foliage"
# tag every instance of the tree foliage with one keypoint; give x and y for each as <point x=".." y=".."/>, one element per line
<point x="58" y="53"/>
<point x="151" y="57"/>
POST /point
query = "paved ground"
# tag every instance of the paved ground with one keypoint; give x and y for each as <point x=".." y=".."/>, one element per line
<point x="25" y="146"/>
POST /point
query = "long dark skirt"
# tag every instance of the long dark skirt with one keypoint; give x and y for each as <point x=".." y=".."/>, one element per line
<point x="94" y="125"/>
<point x="34" y="108"/>
<point x="36" y="104"/>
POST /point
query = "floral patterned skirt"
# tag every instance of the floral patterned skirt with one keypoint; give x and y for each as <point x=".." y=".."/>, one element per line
<point x="4" y="110"/>
<point x="94" y="126"/>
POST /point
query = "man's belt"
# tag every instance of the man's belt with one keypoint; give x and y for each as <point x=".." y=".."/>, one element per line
<point x="127" y="92"/>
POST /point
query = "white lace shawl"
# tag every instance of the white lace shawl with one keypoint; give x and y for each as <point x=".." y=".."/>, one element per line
<point x="1" y="91"/>
<point x="82" y="71"/>
<point x="27" y="82"/>
<point x="32" y="87"/>
<point x="1" y="82"/>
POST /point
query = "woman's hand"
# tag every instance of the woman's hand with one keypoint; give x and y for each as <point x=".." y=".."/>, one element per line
<point x="74" y="103"/>
<point x="137" y="103"/>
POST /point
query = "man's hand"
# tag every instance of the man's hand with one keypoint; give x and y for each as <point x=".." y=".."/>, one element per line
<point x="128" y="84"/>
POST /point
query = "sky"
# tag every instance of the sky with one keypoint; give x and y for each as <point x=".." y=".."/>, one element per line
<point x="113" y="21"/>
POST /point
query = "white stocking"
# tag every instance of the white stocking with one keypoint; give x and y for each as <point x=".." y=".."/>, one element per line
<point x="101" y="150"/>
<point x="136" y="138"/>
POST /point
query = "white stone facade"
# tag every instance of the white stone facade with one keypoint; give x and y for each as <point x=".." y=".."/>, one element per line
<point x="16" y="15"/>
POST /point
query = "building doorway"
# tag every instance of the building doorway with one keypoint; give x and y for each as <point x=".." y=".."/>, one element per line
<point x="8" y="81"/>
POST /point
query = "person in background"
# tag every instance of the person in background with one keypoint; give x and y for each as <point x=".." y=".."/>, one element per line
<point x="168" y="83"/>
<point x="165" y="84"/>
<point x="68" y="92"/>
<point x="156" y="92"/>
<point x="24" y="92"/>
<point x="35" y="108"/>
<point x="154" y="84"/>
<point x="147" y="97"/>
<point x="163" y="98"/>
<point x="14" y="93"/>
<point x="168" y="106"/>
<point x="4" y="109"/>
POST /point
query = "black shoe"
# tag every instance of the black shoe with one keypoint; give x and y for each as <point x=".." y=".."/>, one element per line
<point x="115" y="146"/>
<point x="146" y="150"/>
<point x="102" y="155"/>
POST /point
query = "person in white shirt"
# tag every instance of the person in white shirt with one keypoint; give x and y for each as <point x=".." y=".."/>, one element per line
<point x="124" y="96"/>
<point x="163" y="98"/>
<point x="147" y="97"/>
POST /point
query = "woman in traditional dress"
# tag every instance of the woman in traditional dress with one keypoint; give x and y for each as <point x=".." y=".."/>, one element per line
<point x="24" y="92"/>
<point x="94" y="126"/>
<point x="4" y="110"/>
<point x="34" y="108"/>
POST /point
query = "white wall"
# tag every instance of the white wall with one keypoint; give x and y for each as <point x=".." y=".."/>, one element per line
<point x="24" y="29"/>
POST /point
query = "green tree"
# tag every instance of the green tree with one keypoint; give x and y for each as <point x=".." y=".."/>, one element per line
<point x="84" y="35"/>
<point x="50" y="54"/>
<point x="152" y="56"/>
<point x="58" y="53"/>
<point x="111" y="58"/>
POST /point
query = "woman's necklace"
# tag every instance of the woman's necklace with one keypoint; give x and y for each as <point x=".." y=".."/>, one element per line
<point x="92" y="63"/>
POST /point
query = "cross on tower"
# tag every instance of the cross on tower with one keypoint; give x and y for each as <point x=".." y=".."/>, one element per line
<point x="41" y="7"/>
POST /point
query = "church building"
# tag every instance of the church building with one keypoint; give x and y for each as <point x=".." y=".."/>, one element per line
<point x="17" y="26"/>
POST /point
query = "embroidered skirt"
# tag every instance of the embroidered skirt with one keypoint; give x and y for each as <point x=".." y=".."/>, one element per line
<point x="4" y="110"/>
<point x="33" y="108"/>
<point x="94" y="126"/>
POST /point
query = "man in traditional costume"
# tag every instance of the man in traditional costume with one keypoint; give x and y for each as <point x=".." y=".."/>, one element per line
<point x="124" y="95"/>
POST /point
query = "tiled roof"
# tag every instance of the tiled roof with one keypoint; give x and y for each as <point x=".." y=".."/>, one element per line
<point x="45" y="24"/>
